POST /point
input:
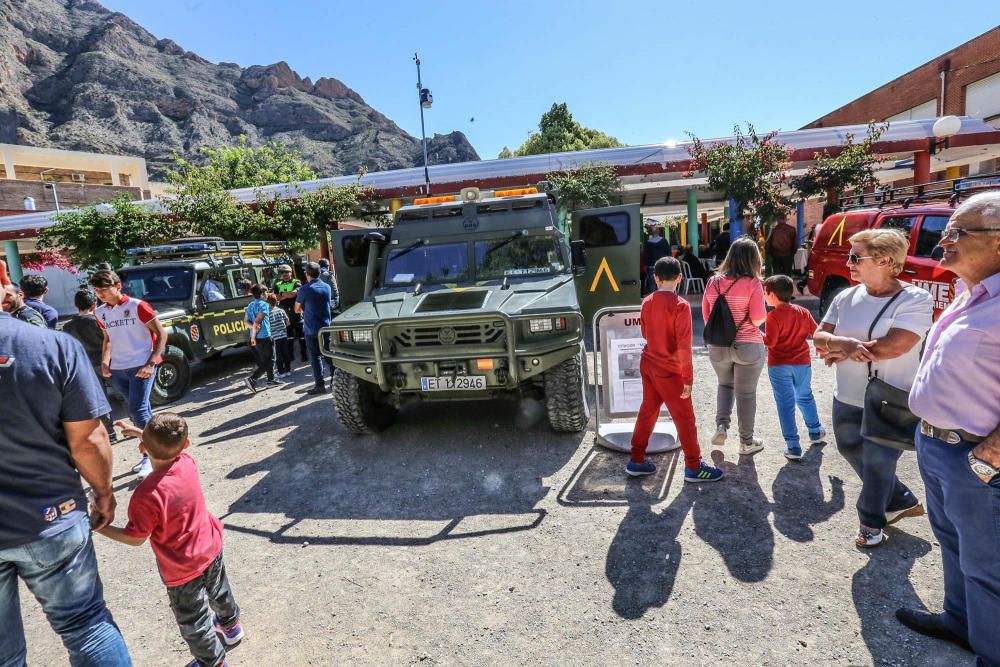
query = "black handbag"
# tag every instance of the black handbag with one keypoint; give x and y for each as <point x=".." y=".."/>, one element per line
<point x="886" y="419"/>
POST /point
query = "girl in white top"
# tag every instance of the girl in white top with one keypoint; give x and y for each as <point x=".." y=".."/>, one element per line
<point x="893" y="349"/>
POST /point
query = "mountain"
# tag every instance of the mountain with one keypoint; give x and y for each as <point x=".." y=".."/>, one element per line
<point x="74" y="75"/>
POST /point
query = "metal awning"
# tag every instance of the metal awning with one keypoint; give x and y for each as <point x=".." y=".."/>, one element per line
<point x="659" y="164"/>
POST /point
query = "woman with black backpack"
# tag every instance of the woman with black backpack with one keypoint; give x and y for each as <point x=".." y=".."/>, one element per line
<point x="733" y="308"/>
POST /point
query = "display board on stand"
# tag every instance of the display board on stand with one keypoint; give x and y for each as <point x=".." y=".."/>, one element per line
<point x="618" y="345"/>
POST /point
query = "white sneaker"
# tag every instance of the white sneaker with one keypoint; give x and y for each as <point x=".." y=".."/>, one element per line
<point x="719" y="439"/>
<point x="144" y="468"/>
<point x="818" y="438"/>
<point x="752" y="447"/>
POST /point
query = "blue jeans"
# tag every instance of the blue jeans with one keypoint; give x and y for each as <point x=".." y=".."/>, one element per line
<point x="792" y="385"/>
<point x="965" y="516"/>
<point x="881" y="490"/>
<point x="61" y="572"/>
<point x="316" y="359"/>
<point x="136" y="391"/>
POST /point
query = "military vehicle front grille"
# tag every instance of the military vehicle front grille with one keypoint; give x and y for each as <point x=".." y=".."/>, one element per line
<point x="482" y="333"/>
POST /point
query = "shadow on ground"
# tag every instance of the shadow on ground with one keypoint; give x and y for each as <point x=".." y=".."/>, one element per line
<point x="433" y="470"/>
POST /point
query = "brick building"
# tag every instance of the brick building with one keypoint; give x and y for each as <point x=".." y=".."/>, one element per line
<point x="967" y="79"/>
<point x="964" y="81"/>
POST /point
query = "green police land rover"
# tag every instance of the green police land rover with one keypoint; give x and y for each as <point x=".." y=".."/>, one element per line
<point x="474" y="296"/>
<point x="192" y="285"/>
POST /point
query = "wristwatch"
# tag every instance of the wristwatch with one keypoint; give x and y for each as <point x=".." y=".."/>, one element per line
<point x="983" y="470"/>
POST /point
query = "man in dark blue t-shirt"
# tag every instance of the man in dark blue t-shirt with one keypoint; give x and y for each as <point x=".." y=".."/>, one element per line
<point x="50" y="435"/>
<point x="35" y="287"/>
<point x="313" y="302"/>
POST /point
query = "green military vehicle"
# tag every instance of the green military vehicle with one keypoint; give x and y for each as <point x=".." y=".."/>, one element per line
<point x="474" y="297"/>
<point x="192" y="285"/>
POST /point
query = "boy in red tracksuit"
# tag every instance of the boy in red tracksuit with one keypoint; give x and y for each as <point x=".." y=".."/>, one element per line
<point x="667" y="373"/>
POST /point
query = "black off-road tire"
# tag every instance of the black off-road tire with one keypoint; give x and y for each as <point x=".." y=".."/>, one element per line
<point x="361" y="406"/>
<point x="566" y="395"/>
<point x="172" y="377"/>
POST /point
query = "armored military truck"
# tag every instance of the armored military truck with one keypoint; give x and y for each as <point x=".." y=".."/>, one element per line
<point x="192" y="285"/>
<point x="468" y="297"/>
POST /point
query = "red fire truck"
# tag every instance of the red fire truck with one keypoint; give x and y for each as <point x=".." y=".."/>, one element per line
<point x="919" y="211"/>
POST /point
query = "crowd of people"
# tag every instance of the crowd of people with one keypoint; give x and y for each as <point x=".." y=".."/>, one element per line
<point x="902" y="382"/>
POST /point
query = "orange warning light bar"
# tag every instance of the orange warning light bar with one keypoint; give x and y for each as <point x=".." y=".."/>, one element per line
<point x="516" y="193"/>
<point x="484" y="364"/>
<point x="432" y="200"/>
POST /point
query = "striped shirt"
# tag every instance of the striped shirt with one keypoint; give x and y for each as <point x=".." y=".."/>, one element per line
<point x="279" y="323"/>
<point x="747" y="294"/>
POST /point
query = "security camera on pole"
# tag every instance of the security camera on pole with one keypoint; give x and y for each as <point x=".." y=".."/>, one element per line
<point x="426" y="100"/>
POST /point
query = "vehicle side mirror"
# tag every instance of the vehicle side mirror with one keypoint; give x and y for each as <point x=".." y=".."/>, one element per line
<point x="375" y="237"/>
<point x="578" y="253"/>
<point x="937" y="253"/>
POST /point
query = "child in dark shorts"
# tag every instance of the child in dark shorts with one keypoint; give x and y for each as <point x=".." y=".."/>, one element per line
<point x="168" y="508"/>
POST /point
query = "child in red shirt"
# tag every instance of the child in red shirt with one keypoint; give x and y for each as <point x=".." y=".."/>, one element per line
<point x="168" y="507"/>
<point x="667" y="372"/>
<point x="788" y="329"/>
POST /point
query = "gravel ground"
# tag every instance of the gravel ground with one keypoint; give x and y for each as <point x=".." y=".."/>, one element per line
<point x="470" y="534"/>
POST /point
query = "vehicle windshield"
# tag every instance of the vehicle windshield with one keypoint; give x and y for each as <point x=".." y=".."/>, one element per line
<point x="432" y="263"/>
<point x="162" y="284"/>
<point x="518" y="256"/>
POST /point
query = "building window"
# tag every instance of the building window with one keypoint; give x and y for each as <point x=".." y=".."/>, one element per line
<point x="926" y="110"/>
<point x="982" y="98"/>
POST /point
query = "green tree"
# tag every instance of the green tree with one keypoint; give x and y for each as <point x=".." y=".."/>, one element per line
<point x="88" y="236"/>
<point x="751" y="169"/>
<point x="852" y="168"/>
<point x="200" y="194"/>
<point x="505" y="153"/>
<point x="558" y="132"/>
<point x="589" y="186"/>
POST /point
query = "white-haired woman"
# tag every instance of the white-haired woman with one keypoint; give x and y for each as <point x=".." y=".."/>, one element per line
<point x="893" y="350"/>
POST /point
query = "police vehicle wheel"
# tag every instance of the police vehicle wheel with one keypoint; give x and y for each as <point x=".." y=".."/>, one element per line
<point x="566" y="395"/>
<point x="172" y="377"/>
<point x="362" y="407"/>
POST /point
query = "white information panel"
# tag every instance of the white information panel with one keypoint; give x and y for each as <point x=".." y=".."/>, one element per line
<point x="617" y="354"/>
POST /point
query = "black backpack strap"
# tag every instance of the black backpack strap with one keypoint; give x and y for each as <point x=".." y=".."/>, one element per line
<point x="871" y="329"/>
<point x="746" y="318"/>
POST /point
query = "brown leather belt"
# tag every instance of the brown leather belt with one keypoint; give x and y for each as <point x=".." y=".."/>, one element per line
<point x="952" y="436"/>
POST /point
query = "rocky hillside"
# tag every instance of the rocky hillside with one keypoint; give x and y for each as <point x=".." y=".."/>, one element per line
<point x="74" y="75"/>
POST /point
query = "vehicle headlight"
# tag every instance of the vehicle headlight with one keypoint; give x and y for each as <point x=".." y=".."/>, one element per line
<point x="355" y="336"/>
<point x="546" y="324"/>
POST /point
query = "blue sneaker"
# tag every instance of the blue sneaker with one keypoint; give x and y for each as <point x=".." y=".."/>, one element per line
<point x="704" y="473"/>
<point x="793" y="453"/>
<point x="231" y="635"/>
<point x="639" y="469"/>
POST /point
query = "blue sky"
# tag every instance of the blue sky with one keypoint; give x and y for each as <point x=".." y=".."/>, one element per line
<point x="644" y="72"/>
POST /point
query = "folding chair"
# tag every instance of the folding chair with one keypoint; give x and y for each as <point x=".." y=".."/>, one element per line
<point x="690" y="281"/>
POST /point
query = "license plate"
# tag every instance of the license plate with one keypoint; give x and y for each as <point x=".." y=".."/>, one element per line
<point x="458" y="383"/>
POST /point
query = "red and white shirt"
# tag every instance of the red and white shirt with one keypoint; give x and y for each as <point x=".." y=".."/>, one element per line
<point x="125" y="324"/>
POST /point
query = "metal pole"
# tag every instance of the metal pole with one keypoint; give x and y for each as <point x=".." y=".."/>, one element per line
<point x="55" y="195"/>
<point x="692" y="221"/>
<point x="423" y="133"/>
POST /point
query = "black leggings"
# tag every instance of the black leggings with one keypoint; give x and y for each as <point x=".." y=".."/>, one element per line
<point x="264" y="351"/>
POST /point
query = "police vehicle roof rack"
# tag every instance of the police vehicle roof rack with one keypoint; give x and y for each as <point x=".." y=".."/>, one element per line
<point x="951" y="190"/>
<point x="210" y="248"/>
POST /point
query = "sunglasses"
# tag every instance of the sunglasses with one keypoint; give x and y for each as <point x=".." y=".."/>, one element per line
<point x="955" y="233"/>
<point x="854" y="258"/>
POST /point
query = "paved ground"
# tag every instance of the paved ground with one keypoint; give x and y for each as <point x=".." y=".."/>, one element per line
<point x="471" y="534"/>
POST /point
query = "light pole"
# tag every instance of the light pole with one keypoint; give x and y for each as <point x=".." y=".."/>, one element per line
<point x="426" y="99"/>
